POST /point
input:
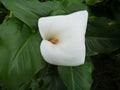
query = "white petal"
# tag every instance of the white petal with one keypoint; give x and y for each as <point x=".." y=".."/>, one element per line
<point x="70" y="32"/>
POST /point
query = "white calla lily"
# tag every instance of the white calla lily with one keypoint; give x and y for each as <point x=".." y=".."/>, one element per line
<point x="64" y="38"/>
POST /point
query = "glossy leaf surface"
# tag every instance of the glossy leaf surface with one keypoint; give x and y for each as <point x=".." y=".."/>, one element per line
<point x="77" y="78"/>
<point x="19" y="53"/>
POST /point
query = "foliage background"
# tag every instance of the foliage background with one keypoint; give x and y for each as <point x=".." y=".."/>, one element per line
<point x="21" y="64"/>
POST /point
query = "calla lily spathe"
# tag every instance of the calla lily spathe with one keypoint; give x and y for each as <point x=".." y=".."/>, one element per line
<point x="64" y="38"/>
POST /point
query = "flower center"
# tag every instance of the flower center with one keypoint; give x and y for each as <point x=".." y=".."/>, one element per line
<point x="54" y="40"/>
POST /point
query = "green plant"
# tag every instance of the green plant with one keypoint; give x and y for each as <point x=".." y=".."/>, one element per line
<point x="21" y="64"/>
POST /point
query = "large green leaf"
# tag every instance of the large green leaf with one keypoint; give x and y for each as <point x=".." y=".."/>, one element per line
<point x="51" y="79"/>
<point x="53" y="83"/>
<point x="77" y="78"/>
<point x="93" y="2"/>
<point x="20" y="56"/>
<point x="74" y="5"/>
<point x="29" y="11"/>
<point x="103" y="35"/>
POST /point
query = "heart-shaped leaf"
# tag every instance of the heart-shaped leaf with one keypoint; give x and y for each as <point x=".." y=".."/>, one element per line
<point x="20" y="56"/>
<point x="103" y="35"/>
<point x="77" y="78"/>
<point x="29" y="11"/>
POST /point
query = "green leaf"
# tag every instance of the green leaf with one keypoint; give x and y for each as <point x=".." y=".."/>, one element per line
<point x="102" y="36"/>
<point x="53" y="83"/>
<point x="51" y="79"/>
<point x="29" y="11"/>
<point x="35" y="85"/>
<point x="93" y="2"/>
<point x="20" y="56"/>
<point x="77" y="78"/>
<point x="74" y="5"/>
